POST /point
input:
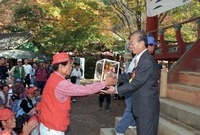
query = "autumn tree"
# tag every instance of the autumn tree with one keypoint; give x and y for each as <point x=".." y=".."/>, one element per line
<point x="59" y="24"/>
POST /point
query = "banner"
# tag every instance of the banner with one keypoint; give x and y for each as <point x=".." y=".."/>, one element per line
<point x="155" y="7"/>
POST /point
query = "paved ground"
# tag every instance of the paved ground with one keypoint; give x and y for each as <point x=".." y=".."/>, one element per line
<point x="87" y="120"/>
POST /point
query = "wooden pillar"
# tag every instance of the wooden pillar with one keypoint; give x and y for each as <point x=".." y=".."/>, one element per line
<point x="163" y="83"/>
<point x="163" y="46"/>
<point x="181" y="43"/>
<point x="198" y="28"/>
<point x="152" y="25"/>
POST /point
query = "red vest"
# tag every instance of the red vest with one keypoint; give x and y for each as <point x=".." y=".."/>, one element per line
<point x="54" y="114"/>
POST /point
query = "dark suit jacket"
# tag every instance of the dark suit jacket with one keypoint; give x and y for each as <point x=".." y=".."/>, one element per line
<point x="143" y="87"/>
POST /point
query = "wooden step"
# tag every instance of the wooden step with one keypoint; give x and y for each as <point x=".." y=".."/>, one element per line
<point x="189" y="78"/>
<point x="184" y="93"/>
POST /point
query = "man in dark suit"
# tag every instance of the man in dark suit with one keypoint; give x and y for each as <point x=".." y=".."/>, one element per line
<point x="143" y="86"/>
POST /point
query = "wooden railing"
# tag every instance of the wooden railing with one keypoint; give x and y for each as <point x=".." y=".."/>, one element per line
<point x="172" y="51"/>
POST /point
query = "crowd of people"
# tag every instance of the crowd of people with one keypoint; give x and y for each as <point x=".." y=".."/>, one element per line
<point x="20" y="96"/>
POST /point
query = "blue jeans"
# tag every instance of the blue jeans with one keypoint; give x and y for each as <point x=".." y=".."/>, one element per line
<point x="127" y="118"/>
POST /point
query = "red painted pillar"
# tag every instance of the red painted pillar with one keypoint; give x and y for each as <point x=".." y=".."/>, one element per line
<point x="163" y="46"/>
<point x="152" y="25"/>
<point x="198" y="28"/>
<point x="181" y="43"/>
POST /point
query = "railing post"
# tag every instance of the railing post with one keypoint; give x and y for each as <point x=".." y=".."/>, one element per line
<point x="163" y="83"/>
<point x="198" y="27"/>
<point x="163" y="45"/>
<point x="181" y="44"/>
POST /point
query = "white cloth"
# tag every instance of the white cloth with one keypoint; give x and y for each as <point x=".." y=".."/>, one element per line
<point x="27" y="68"/>
<point x="9" y="97"/>
<point x="78" y="74"/>
<point x="47" y="131"/>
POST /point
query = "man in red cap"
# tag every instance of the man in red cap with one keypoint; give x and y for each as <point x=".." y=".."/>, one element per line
<point x="55" y="103"/>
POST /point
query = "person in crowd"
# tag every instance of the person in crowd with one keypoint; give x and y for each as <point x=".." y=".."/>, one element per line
<point x="143" y="86"/>
<point x="28" y="69"/>
<point x="26" y="104"/>
<point x="8" y="123"/>
<point x="1" y="104"/>
<point x="103" y="96"/>
<point x="3" y="69"/>
<point x="18" y="71"/>
<point x="32" y="75"/>
<point x="55" y="103"/>
<point x="41" y="75"/>
<point x="18" y="89"/>
<point x="5" y="95"/>
<point x="37" y="96"/>
<point x="107" y="68"/>
<point x="49" y="67"/>
<point x="128" y="119"/>
<point x="76" y="76"/>
<point x="2" y="83"/>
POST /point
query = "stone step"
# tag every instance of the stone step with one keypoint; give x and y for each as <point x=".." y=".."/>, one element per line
<point x="189" y="78"/>
<point x="168" y="126"/>
<point x="107" y="131"/>
<point x="128" y="131"/>
<point x="110" y="131"/>
<point x="184" y="113"/>
<point x="184" y="93"/>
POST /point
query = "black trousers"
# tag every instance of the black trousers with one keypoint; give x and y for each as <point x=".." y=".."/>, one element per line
<point x="27" y="80"/>
<point x="108" y="100"/>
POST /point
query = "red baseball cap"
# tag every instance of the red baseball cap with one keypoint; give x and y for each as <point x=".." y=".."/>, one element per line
<point x="5" y="114"/>
<point x="60" y="57"/>
<point x="35" y="88"/>
<point x="30" y="91"/>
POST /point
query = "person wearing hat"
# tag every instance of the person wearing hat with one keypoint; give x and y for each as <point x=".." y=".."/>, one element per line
<point x="55" y="103"/>
<point x="18" y="71"/>
<point x="37" y="97"/>
<point x="128" y="119"/>
<point x="8" y="123"/>
<point x="18" y="89"/>
<point x="41" y="75"/>
<point x="26" y="104"/>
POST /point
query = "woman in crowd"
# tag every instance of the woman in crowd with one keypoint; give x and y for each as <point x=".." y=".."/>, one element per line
<point x="8" y="123"/>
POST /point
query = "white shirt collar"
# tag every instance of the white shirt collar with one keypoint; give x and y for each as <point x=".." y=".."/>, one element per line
<point x="139" y="55"/>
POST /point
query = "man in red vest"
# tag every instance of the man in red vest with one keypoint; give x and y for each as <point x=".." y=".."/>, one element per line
<point x="55" y="103"/>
